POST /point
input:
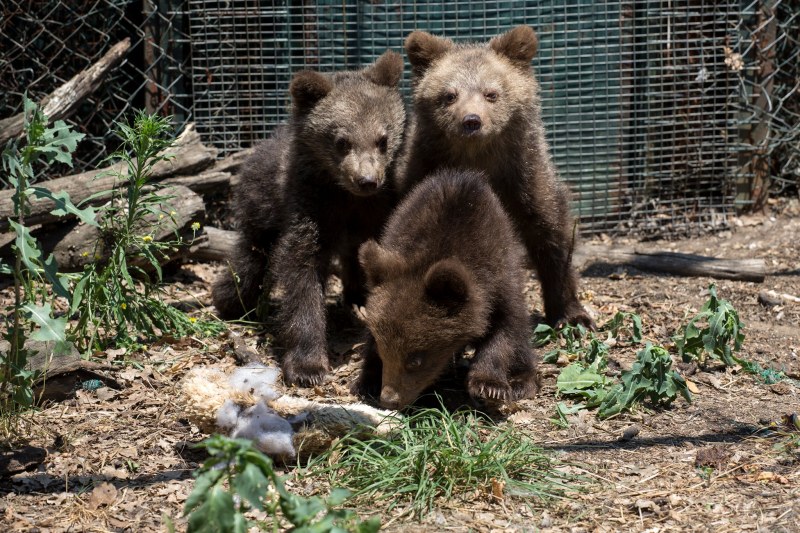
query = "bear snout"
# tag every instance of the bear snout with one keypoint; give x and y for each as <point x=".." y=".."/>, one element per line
<point x="367" y="184"/>
<point x="390" y="398"/>
<point x="471" y="123"/>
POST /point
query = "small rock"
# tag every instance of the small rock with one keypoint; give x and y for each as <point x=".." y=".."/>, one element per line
<point x="629" y="433"/>
<point x="646" y="505"/>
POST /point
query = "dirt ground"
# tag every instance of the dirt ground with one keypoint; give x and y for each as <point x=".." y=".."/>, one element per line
<point x="722" y="463"/>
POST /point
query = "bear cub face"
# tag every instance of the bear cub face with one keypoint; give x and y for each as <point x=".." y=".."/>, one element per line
<point x="472" y="92"/>
<point x="420" y="317"/>
<point x="339" y="126"/>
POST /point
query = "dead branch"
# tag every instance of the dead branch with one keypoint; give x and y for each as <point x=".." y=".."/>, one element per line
<point x="189" y="155"/>
<point x="63" y="101"/>
<point x="674" y="263"/>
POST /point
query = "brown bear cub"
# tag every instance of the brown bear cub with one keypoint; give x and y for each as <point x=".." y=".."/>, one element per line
<point x="449" y="271"/>
<point x="314" y="192"/>
<point x="477" y="106"/>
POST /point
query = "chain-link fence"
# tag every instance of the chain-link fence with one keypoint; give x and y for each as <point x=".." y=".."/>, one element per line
<point x="44" y="43"/>
<point x="663" y="116"/>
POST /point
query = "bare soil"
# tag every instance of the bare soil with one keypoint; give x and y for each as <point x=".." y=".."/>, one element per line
<point x="118" y="461"/>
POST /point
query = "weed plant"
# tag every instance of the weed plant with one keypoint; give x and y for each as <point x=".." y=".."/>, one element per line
<point x="253" y="484"/>
<point x="36" y="277"/>
<point x="436" y="456"/>
<point x="120" y="296"/>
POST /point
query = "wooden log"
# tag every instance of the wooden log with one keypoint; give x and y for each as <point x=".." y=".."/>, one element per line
<point x="214" y="245"/>
<point x="218" y="178"/>
<point x="75" y="245"/>
<point x="63" y="101"/>
<point x="680" y="264"/>
<point x="189" y="156"/>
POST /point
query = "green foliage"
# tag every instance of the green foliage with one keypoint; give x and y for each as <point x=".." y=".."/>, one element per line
<point x="435" y="455"/>
<point x="253" y="484"/>
<point x="624" y="322"/>
<point x="715" y="333"/>
<point x="651" y="378"/>
<point x="35" y="276"/>
<point x="120" y="297"/>
<point x="576" y="342"/>
<point x="585" y="382"/>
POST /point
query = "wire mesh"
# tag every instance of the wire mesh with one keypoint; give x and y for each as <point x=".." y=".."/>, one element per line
<point x="663" y="116"/>
<point x="44" y="43"/>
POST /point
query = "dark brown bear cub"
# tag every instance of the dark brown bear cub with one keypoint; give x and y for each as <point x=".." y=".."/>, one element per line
<point x="314" y="192"/>
<point x="448" y="272"/>
<point x="476" y="106"/>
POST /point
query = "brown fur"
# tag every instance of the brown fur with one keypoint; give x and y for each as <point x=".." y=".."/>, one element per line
<point x="448" y="272"/>
<point x="314" y="192"/>
<point x="477" y="106"/>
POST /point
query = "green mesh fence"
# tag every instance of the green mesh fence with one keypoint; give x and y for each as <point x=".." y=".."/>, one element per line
<point x="663" y="116"/>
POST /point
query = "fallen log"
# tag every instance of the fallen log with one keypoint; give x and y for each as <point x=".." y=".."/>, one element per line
<point x="62" y="102"/>
<point x="75" y="245"/>
<point x="217" y="178"/>
<point x="680" y="264"/>
<point x="189" y="155"/>
<point x="213" y="245"/>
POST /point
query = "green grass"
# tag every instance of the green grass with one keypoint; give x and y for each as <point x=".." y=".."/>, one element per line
<point x="436" y="456"/>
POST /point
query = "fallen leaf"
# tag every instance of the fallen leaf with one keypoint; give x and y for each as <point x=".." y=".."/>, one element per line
<point x="103" y="494"/>
<point x="498" y="487"/>
<point x="692" y="387"/>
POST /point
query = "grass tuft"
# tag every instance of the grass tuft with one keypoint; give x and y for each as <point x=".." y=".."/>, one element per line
<point x="436" y="456"/>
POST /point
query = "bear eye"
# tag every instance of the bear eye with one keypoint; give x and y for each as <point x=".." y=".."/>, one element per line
<point x="382" y="144"/>
<point x="491" y="96"/>
<point x="414" y="361"/>
<point x="450" y="97"/>
<point x="342" y="145"/>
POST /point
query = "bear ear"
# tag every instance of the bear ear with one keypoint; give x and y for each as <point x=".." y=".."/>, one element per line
<point x="519" y="45"/>
<point x="423" y="49"/>
<point x="309" y="87"/>
<point x="387" y="70"/>
<point x="447" y="285"/>
<point x="378" y="262"/>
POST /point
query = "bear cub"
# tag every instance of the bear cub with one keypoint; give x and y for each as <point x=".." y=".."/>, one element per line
<point x="449" y="271"/>
<point x="314" y="192"/>
<point x="476" y="106"/>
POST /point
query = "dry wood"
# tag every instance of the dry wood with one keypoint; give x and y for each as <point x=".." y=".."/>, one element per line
<point x="213" y="245"/>
<point x="189" y="155"/>
<point x="218" y="178"/>
<point x="674" y="263"/>
<point x="75" y="245"/>
<point x="63" y="101"/>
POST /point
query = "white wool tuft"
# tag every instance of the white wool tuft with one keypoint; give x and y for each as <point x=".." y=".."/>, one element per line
<point x="271" y="433"/>
<point x="256" y="379"/>
<point x="228" y="415"/>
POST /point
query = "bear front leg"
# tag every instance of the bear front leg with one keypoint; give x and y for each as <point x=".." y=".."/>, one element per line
<point x="368" y="382"/>
<point x="549" y="236"/>
<point x="504" y="368"/>
<point x="300" y="270"/>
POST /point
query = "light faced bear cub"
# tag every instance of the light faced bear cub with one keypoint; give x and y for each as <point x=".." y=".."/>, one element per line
<point x="449" y="271"/>
<point x="314" y="192"/>
<point x="476" y="106"/>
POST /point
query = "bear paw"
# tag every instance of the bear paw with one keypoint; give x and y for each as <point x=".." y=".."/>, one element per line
<point x="304" y="371"/>
<point x="576" y="315"/>
<point x="488" y="388"/>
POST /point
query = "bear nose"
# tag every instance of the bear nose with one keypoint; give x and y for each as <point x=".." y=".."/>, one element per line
<point x="390" y="399"/>
<point x="471" y="123"/>
<point x="367" y="183"/>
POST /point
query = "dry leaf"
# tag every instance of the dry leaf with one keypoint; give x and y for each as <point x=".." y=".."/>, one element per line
<point x="103" y="494"/>
<point x="498" y="487"/>
<point x="692" y="387"/>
